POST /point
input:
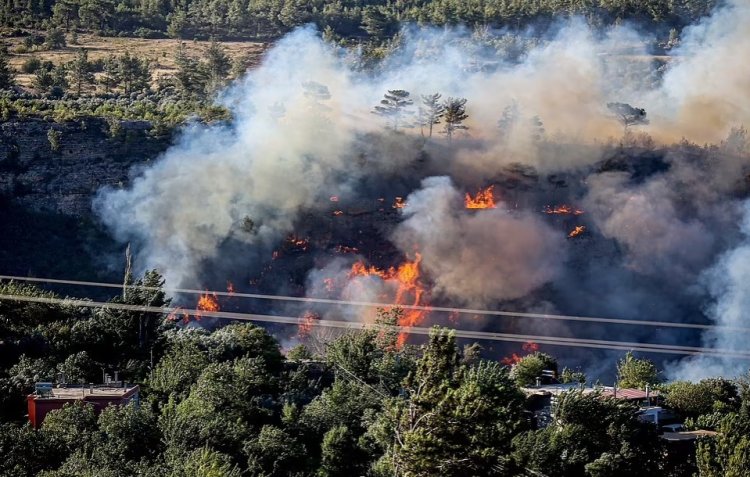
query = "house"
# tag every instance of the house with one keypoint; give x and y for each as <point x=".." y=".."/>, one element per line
<point x="47" y="397"/>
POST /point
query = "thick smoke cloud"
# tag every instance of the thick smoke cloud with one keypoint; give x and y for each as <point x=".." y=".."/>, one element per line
<point x="705" y="92"/>
<point x="727" y="282"/>
<point x="644" y="220"/>
<point x="657" y="213"/>
<point x="477" y="257"/>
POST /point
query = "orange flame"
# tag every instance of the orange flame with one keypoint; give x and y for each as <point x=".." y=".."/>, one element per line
<point x="563" y="209"/>
<point x="207" y="303"/>
<point x="338" y="212"/>
<point x="297" y="243"/>
<point x="529" y="347"/>
<point x="409" y="289"/>
<point x="306" y="324"/>
<point x="577" y="231"/>
<point x="399" y="203"/>
<point x="484" y="199"/>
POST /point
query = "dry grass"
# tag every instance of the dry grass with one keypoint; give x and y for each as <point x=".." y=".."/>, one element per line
<point x="160" y="52"/>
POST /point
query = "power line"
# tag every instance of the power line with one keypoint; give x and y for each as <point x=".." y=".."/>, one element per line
<point x="480" y="335"/>
<point x="367" y="304"/>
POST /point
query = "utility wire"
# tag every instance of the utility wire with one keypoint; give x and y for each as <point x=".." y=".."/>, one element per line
<point x="329" y="301"/>
<point x="480" y="335"/>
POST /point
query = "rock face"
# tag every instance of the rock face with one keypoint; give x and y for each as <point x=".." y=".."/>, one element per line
<point x="60" y="171"/>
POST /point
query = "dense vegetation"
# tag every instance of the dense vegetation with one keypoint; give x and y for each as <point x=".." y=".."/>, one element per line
<point x="229" y="403"/>
<point x="348" y="18"/>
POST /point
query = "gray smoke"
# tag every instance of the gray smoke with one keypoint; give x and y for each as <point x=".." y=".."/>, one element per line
<point x="477" y="257"/>
<point x="303" y="131"/>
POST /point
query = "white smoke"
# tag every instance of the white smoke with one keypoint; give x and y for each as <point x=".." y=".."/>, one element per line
<point x="727" y="283"/>
<point x="303" y="131"/>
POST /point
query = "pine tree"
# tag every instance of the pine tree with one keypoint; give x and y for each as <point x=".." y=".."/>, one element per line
<point x="218" y="64"/>
<point x="430" y="112"/>
<point x="133" y="73"/>
<point x="455" y="114"/>
<point x="79" y="70"/>
<point x="393" y="107"/>
<point x="7" y="79"/>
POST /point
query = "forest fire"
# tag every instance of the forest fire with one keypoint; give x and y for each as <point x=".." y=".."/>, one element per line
<point x="484" y="199"/>
<point x="399" y="203"/>
<point x="529" y="348"/>
<point x="409" y="289"/>
<point x="306" y="324"/>
<point x="207" y="302"/>
<point x="577" y="231"/>
<point x="563" y="209"/>
<point x="296" y="243"/>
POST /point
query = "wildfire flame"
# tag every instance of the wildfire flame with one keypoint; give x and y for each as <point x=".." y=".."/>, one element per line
<point x="563" y="209"/>
<point x="577" y="231"/>
<point x="338" y="212"/>
<point x="306" y="324"/>
<point x="297" y="243"/>
<point x="207" y="302"/>
<point x="409" y="289"/>
<point x="484" y="199"/>
<point x="529" y="348"/>
<point x="399" y="203"/>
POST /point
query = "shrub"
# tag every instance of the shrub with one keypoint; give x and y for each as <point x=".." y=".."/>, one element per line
<point x="53" y="136"/>
<point x="31" y="65"/>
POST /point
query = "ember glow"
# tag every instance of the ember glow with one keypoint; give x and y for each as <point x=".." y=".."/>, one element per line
<point x="338" y="212"/>
<point x="563" y="209"/>
<point x="484" y="199"/>
<point x="409" y="290"/>
<point x="577" y="231"/>
<point x="399" y="203"/>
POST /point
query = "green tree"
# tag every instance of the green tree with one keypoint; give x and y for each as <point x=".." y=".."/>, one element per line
<point x="709" y="395"/>
<point x="192" y="77"/>
<point x="728" y="453"/>
<point x="177" y="371"/>
<point x="133" y="73"/>
<point x="274" y="452"/>
<point x="79" y="70"/>
<point x="590" y="436"/>
<point x="453" y="419"/>
<point x="7" y="75"/>
<point x="636" y="373"/>
<point x="109" y="78"/>
<point x="526" y="371"/>
<point x="340" y="454"/>
<point x="454" y="116"/>
<point x="55" y="39"/>
<point x="206" y="462"/>
<point x="218" y="65"/>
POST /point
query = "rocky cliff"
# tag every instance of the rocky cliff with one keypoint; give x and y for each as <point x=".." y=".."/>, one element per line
<point x="58" y="167"/>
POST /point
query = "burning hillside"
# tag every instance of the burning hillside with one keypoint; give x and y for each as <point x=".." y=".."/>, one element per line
<point x="347" y="196"/>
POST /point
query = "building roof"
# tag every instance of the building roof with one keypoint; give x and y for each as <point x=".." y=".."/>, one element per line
<point x="620" y="393"/>
<point x="73" y="392"/>
<point x="627" y="393"/>
<point x="686" y="435"/>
